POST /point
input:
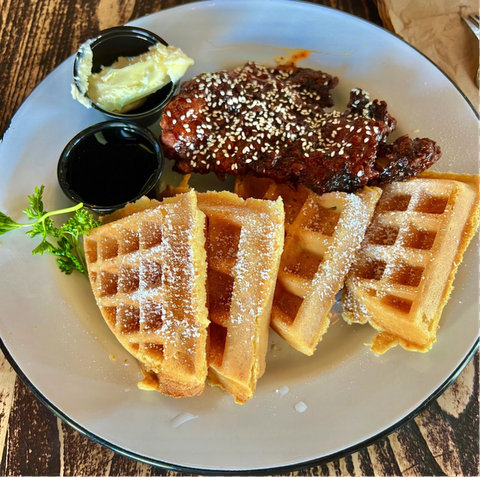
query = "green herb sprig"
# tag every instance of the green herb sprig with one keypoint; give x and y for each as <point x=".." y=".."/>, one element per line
<point x="62" y="242"/>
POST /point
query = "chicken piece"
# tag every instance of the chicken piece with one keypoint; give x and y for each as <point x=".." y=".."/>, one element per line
<point x="272" y="122"/>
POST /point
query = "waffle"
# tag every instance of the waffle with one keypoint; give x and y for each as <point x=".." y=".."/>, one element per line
<point x="244" y="244"/>
<point x="404" y="272"/>
<point x="148" y="274"/>
<point x="323" y="234"/>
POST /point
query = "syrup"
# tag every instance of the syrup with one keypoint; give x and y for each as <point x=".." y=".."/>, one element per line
<point x="111" y="166"/>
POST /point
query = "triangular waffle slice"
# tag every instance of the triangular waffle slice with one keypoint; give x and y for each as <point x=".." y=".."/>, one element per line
<point x="148" y="274"/>
<point x="404" y="271"/>
<point x="244" y="244"/>
<point x="323" y="234"/>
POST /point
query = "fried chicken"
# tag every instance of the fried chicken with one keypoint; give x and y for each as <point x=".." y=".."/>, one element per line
<point x="273" y="122"/>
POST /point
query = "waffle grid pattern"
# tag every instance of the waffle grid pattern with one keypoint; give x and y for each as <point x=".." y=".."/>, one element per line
<point x="117" y="270"/>
<point x="322" y="235"/>
<point x="133" y="266"/>
<point x="400" y="279"/>
<point x="244" y="243"/>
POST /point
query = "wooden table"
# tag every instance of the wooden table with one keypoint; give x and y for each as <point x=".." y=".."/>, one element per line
<point x="37" y="35"/>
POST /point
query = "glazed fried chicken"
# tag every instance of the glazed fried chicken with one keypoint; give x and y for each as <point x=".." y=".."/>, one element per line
<point x="273" y="122"/>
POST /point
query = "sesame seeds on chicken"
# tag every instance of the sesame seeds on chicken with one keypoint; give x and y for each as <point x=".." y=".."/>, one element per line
<point x="273" y="122"/>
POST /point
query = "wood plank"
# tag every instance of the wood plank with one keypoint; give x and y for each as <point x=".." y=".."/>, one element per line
<point x="31" y="423"/>
<point x="439" y="437"/>
<point x="7" y="388"/>
<point x="358" y="462"/>
<point x="81" y="456"/>
<point x="462" y="395"/>
<point x="440" y="422"/>
<point x="383" y="458"/>
<point x="411" y="453"/>
<point x="455" y="400"/>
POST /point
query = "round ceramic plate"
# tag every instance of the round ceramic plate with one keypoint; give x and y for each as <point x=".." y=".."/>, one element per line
<point x="55" y="336"/>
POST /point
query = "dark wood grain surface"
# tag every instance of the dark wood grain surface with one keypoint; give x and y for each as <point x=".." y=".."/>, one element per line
<point x="36" y="36"/>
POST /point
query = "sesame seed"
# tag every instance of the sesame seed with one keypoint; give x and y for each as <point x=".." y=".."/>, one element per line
<point x="250" y="115"/>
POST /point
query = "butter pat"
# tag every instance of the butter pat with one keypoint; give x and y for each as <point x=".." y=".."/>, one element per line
<point x="125" y="84"/>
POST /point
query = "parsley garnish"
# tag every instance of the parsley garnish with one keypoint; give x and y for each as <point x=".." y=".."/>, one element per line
<point x="62" y="242"/>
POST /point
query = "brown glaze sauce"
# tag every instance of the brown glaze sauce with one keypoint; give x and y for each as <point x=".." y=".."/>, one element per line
<point x="272" y="122"/>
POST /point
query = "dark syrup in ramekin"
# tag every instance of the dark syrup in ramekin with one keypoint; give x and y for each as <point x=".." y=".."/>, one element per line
<point x="111" y="166"/>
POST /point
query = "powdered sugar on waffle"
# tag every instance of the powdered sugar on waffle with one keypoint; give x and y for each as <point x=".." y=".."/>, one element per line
<point x="170" y="263"/>
<point x="354" y="217"/>
<point x="178" y="274"/>
<point x="257" y="229"/>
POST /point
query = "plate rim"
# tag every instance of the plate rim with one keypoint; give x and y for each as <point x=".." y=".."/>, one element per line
<point x="253" y="471"/>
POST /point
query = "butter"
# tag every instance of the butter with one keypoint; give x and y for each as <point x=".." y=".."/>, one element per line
<point x="125" y="84"/>
<point x="84" y="69"/>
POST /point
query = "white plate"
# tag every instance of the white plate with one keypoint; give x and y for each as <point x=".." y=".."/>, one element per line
<point x="56" y="338"/>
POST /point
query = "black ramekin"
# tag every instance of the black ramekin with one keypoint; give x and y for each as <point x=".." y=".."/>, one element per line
<point x="128" y="41"/>
<point x="76" y="148"/>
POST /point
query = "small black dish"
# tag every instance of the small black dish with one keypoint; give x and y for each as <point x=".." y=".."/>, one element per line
<point x="114" y="42"/>
<point x="110" y="164"/>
